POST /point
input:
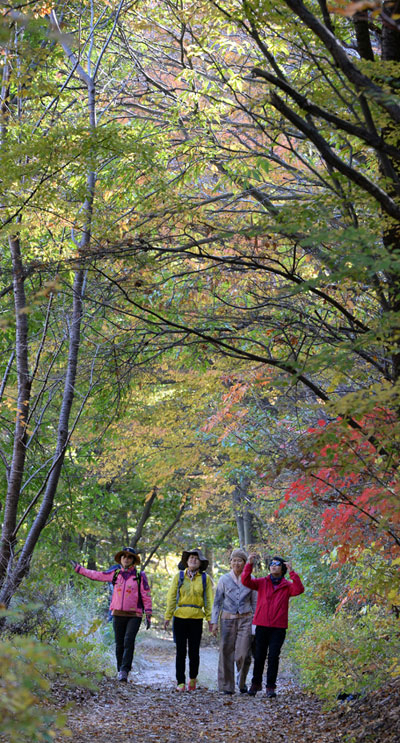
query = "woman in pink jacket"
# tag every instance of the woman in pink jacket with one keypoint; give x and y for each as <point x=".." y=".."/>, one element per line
<point x="131" y="596"/>
<point x="270" y="618"/>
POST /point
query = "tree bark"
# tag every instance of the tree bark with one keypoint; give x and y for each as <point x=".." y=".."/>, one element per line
<point x="21" y="567"/>
<point x="16" y="470"/>
<point x="145" y="515"/>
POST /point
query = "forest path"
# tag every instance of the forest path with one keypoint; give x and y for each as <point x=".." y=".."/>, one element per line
<point x="149" y="709"/>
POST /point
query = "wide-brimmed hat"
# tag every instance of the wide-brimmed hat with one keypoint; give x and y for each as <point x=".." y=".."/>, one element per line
<point x="241" y="554"/>
<point x="130" y="552"/>
<point x="198" y="552"/>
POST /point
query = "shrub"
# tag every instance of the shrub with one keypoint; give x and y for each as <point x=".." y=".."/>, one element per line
<point x="27" y="667"/>
<point x="348" y="653"/>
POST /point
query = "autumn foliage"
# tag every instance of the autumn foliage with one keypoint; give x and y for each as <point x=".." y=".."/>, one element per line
<point x="346" y="479"/>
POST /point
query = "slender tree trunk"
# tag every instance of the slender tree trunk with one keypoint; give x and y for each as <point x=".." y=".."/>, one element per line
<point x="237" y="507"/>
<point x="391" y="231"/>
<point x="250" y="532"/>
<point x="16" y="471"/>
<point x="12" y="571"/>
<point x="91" y="542"/>
<point x="145" y="515"/>
<point x="245" y="521"/>
<point x="209" y="555"/>
<point x="21" y="566"/>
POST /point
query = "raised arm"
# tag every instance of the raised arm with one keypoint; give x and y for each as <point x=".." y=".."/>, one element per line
<point x="105" y="577"/>
<point x="296" y="586"/>
<point x="246" y="578"/>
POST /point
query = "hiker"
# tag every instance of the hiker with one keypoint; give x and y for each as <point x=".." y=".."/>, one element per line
<point x="131" y="596"/>
<point x="271" y="617"/>
<point x="235" y="604"/>
<point x="189" y="600"/>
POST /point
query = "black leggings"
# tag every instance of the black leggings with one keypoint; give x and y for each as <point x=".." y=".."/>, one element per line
<point x="125" y="631"/>
<point x="187" y="634"/>
<point x="269" y="641"/>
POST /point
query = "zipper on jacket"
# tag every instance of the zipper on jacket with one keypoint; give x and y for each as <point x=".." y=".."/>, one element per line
<point x="123" y="594"/>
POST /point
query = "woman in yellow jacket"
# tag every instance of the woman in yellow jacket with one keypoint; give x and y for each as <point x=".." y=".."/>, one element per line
<point x="189" y="600"/>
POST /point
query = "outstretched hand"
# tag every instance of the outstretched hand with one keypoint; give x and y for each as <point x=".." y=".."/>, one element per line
<point x="252" y="558"/>
<point x="74" y="563"/>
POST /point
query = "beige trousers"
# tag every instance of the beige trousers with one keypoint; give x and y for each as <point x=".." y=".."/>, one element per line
<point x="234" y="650"/>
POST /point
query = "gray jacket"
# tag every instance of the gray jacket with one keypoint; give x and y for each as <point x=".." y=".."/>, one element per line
<point x="229" y="596"/>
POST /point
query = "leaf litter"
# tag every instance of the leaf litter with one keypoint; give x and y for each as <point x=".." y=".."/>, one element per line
<point x="148" y="708"/>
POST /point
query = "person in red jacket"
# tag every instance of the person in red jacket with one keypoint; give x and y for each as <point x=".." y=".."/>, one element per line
<point x="271" y="617"/>
<point x="130" y="599"/>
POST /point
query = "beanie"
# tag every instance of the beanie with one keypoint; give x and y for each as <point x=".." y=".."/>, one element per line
<point x="238" y="553"/>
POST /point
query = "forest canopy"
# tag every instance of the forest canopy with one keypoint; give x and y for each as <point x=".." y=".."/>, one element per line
<point x="200" y="291"/>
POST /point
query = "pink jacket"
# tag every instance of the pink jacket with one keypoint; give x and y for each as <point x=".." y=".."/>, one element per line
<point x="125" y="594"/>
<point x="272" y="602"/>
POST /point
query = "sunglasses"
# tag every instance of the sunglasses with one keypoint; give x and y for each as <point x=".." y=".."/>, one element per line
<point x="275" y="562"/>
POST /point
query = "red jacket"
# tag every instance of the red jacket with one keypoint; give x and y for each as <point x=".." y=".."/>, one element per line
<point x="272" y="601"/>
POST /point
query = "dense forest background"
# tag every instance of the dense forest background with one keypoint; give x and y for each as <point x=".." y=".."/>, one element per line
<point x="200" y="277"/>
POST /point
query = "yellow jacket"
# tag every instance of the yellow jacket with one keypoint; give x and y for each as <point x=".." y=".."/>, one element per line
<point x="191" y="592"/>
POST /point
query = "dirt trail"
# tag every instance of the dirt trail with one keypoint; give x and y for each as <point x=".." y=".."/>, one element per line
<point x="149" y="709"/>
<point x="154" y="663"/>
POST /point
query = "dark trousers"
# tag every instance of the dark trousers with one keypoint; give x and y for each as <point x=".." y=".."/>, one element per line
<point x="268" y="641"/>
<point x="187" y="634"/>
<point x="125" y="631"/>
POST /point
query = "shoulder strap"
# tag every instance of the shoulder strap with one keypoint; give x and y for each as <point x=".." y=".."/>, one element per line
<point x="115" y="576"/>
<point x="204" y="579"/>
<point x="180" y="581"/>
<point x="113" y="567"/>
<point x="138" y="578"/>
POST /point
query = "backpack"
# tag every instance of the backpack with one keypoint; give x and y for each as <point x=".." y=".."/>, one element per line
<point x="138" y="578"/>
<point x="180" y="583"/>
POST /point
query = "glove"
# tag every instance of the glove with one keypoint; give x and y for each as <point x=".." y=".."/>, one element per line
<point x="74" y="563"/>
<point x="147" y="622"/>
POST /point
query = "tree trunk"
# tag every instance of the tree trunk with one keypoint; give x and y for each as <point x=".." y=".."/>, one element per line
<point x="20" y="568"/>
<point x="209" y="555"/>
<point x="91" y="542"/>
<point x="143" y="518"/>
<point x="16" y="471"/>
<point x="245" y="521"/>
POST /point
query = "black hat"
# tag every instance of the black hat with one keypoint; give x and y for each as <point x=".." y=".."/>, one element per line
<point x="130" y="552"/>
<point x="198" y="552"/>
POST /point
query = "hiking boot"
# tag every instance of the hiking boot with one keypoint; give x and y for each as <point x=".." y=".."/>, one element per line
<point x="192" y="684"/>
<point x="243" y="689"/>
<point x="270" y="692"/>
<point x="180" y="687"/>
<point x="228" y="692"/>
<point x="123" y="676"/>
<point x="254" y="688"/>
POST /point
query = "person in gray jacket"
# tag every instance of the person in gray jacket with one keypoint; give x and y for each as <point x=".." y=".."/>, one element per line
<point x="236" y="605"/>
